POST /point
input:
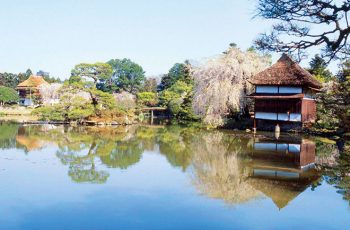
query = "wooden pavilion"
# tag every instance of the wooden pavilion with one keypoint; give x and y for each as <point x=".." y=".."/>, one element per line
<point x="284" y="95"/>
<point x="28" y="90"/>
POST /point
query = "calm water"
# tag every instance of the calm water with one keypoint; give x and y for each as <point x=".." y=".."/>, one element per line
<point x="157" y="177"/>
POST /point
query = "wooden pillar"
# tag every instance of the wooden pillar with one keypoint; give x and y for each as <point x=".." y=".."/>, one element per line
<point x="254" y="128"/>
<point x="30" y="96"/>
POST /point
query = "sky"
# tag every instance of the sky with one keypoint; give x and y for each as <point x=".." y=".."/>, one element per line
<point x="54" y="35"/>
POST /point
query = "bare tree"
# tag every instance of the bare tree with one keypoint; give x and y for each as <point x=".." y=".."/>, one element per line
<point x="302" y="24"/>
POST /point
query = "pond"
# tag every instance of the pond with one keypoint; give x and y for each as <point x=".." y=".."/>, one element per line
<point x="169" y="177"/>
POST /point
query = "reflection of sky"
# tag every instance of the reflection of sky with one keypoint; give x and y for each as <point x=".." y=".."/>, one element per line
<point x="36" y="192"/>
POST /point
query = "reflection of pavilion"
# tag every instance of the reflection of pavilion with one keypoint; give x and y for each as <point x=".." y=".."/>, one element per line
<point x="27" y="139"/>
<point x="282" y="169"/>
<point x="29" y="143"/>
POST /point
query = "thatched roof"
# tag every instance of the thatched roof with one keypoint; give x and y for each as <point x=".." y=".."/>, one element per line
<point x="32" y="82"/>
<point x="285" y="72"/>
<point x="280" y="192"/>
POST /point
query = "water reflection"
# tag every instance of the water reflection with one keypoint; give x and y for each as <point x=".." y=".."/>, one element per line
<point x="283" y="168"/>
<point x="231" y="166"/>
<point x="219" y="168"/>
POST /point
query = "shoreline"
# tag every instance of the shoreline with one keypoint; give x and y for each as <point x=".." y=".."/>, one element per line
<point x="85" y="123"/>
<point x="24" y="116"/>
<point x="11" y="119"/>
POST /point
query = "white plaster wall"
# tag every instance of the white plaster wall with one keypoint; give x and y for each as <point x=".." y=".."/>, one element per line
<point x="285" y="89"/>
<point x="266" y="89"/>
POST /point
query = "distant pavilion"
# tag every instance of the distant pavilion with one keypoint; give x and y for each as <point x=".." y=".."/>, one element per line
<point x="28" y="90"/>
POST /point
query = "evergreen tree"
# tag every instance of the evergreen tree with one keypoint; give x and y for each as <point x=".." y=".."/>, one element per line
<point x="28" y="73"/>
<point x="318" y="67"/>
<point x="179" y="72"/>
<point x="344" y="71"/>
<point x="127" y="76"/>
<point x="8" y="95"/>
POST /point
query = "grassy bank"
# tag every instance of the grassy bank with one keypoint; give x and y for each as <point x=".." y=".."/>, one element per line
<point x="17" y="114"/>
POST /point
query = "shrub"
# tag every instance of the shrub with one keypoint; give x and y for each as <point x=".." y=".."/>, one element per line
<point x="49" y="113"/>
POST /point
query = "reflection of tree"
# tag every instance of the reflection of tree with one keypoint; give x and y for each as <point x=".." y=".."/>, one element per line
<point x="147" y="136"/>
<point x="80" y="174"/>
<point x="218" y="170"/>
<point x="123" y="155"/>
<point x="338" y="175"/>
<point x="327" y="152"/>
<point x="8" y="135"/>
<point x="81" y="147"/>
<point x="175" y="143"/>
<point x="82" y="163"/>
<point x="335" y="166"/>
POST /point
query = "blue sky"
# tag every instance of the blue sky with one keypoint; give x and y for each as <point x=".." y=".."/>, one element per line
<point x="55" y="35"/>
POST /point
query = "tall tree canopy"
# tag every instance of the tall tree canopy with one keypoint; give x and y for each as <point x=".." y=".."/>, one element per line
<point x="96" y="72"/>
<point x="344" y="71"/>
<point x="318" y="67"/>
<point x="334" y="106"/>
<point x="302" y="24"/>
<point x="11" y="80"/>
<point x="127" y="76"/>
<point x="8" y="95"/>
<point x="176" y="91"/>
<point x="180" y="71"/>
